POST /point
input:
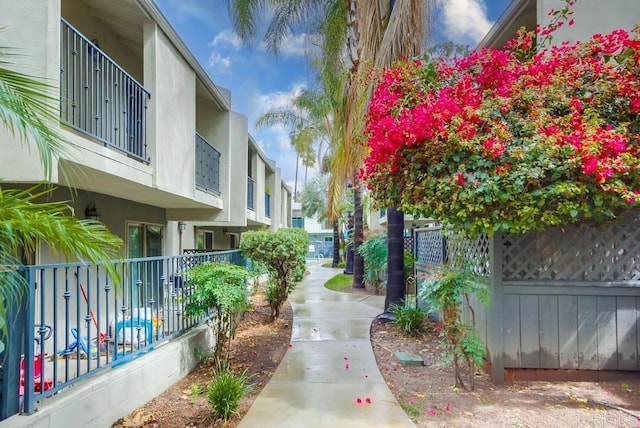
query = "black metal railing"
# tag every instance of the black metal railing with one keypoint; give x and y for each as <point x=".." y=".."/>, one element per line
<point x="250" y="193"/>
<point x="267" y="205"/>
<point x="78" y="321"/>
<point x="207" y="165"/>
<point x="99" y="98"/>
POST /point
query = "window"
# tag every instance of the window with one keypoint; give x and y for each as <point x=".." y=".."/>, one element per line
<point x="204" y="239"/>
<point x="297" y="222"/>
<point x="328" y="239"/>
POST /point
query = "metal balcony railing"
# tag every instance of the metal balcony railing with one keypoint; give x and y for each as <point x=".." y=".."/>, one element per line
<point x="78" y="322"/>
<point x="267" y="205"/>
<point x="99" y="98"/>
<point x="207" y="165"/>
<point x="250" y="194"/>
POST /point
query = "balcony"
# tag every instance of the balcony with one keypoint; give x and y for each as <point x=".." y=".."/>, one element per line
<point x="207" y="166"/>
<point x="99" y="98"/>
<point x="250" y="193"/>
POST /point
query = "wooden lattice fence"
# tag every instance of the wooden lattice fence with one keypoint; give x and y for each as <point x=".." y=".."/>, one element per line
<point x="565" y="298"/>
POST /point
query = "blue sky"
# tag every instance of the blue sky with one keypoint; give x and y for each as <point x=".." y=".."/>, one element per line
<point x="258" y="81"/>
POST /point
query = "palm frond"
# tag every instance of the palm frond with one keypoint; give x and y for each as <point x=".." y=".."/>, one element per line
<point x="24" y="222"/>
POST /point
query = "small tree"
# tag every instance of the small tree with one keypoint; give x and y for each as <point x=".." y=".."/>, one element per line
<point x="449" y="293"/>
<point x="284" y="253"/>
<point x="220" y="291"/>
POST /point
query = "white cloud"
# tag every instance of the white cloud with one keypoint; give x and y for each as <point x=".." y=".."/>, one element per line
<point x="276" y="100"/>
<point x="220" y="64"/>
<point x="465" y="21"/>
<point x="292" y="45"/>
<point x="226" y="38"/>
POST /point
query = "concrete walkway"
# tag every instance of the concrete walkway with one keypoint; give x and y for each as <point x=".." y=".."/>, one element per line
<point x="329" y="365"/>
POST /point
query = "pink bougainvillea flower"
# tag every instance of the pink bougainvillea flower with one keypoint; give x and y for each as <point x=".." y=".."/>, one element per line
<point x="432" y="412"/>
<point x="346" y="359"/>
<point x="368" y="400"/>
<point x="447" y="408"/>
<point x="459" y="178"/>
<point x="359" y="400"/>
<point x="346" y="367"/>
<point x="290" y="345"/>
<point x="412" y="401"/>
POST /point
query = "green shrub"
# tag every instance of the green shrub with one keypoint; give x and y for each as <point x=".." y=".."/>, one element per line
<point x="218" y="290"/>
<point x="284" y="253"/>
<point x="225" y="392"/>
<point x="409" y="319"/>
<point x="374" y="251"/>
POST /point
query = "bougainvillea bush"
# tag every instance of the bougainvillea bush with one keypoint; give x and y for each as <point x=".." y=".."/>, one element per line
<point x="511" y="140"/>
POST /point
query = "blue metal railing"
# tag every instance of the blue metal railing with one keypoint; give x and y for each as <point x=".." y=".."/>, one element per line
<point x="267" y="205"/>
<point x="78" y="322"/>
<point x="207" y="165"/>
<point x="99" y="98"/>
<point x="250" y="194"/>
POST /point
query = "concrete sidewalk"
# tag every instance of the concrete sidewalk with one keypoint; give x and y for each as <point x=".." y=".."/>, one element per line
<point x="329" y="365"/>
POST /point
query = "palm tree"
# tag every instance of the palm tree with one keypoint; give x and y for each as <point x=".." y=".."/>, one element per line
<point x="28" y="113"/>
<point x="358" y="35"/>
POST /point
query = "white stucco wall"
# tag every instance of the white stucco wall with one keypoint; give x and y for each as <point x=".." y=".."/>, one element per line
<point x="173" y="102"/>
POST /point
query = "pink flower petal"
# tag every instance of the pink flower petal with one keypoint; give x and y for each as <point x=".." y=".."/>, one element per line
<point x="447" y="408"/>
<point x="359" y="400"/>
<point x="432" y="412"/>
<point x="346" y="367"/>
<point x="290" y="346"/>
<point x="368" y="400"/>
<point x="345" y="358"/>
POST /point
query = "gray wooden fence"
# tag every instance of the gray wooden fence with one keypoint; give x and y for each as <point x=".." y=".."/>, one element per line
<point x="565" y="298"/>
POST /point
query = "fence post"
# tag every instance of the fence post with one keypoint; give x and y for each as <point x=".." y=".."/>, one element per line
<point x="13" y="346"/>
<point x="495" y="322"/>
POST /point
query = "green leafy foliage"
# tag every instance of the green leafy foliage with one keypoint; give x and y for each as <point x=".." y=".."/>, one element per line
<point x="284" y="253"/>
<point x="219" y="290"/>
<point x="409" y="319"/>
<point x="225" y="392"/>
<point x="374" y="251"/>
<point x="459" y="341"/>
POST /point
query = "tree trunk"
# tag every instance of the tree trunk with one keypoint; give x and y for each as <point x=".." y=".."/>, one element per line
<point x="358" y="238"/>
<point x="395" y="258"/>
<point x="336" y="244"/>
<point x="295" y="185"/>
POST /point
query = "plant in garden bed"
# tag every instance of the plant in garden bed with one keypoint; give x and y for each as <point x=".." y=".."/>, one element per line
<point x="220" y="291"/>
<point x="459" y="341"/>
<point x="225" y="392"/>
<point x="408" y="318"/>
<point x="283" y="252"/>
<point x="511" y="140"/>
<point x="374" y="251"/>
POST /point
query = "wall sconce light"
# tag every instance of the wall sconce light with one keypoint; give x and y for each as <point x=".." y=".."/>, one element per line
<point x="91" y="212"/>
<point x="182" y="226"/>
<point x="225" y="231"/>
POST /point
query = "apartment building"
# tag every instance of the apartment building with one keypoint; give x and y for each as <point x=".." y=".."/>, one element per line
<point x="156" y="153"/>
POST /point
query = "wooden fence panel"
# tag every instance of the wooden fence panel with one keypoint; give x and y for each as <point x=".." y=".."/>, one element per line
<point x="627" y="333"/>
<point x="511" y="315"/>
<point x="549" y="331"/>
<point x="587" y="332"/>
<point x="607" y="342"/>
<point x="568" y="332"/>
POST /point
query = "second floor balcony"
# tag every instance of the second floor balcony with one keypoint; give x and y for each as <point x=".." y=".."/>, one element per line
<point x="207" y="165"/>
<point x="98" y="97"/>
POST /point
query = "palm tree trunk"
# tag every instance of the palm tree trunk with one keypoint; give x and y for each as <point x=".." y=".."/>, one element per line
<point x="295" y="185"/>
<point x="336" y="244"/>
<point x="395" y="258"/>
<point x="358" y="238"/>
